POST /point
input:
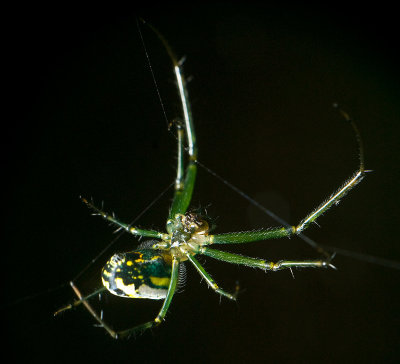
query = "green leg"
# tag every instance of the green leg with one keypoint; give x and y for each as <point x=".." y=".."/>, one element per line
<point x="208" y="279"/>
<point x="183" y="191"/>
<point x="274" y="233"/>
<point x="183" y="94"/>
<point x="183" y="185"/>
<point x="164" y="308"/>
<point x="265" y="234"/>
<point x="180" y="159"/>
<point x="263" y="264"/>
<point x="130" y="229"/>
<point x="249" y="236"/>
<point x="138" y="328"/>
<point x="332" y="200"/>
<point x="183" y="196"/>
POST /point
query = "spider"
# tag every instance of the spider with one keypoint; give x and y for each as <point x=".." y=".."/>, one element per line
<point x="152" y="270"/>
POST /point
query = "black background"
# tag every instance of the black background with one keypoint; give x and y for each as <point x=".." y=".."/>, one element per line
<point x="81" y="116"/>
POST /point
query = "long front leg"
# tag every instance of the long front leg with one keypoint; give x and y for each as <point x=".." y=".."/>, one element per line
<point x="184" y="184"/>
<point x="183" y="187"/>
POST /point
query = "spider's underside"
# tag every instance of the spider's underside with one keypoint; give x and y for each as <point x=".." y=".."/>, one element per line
<point x="152" y="270"/>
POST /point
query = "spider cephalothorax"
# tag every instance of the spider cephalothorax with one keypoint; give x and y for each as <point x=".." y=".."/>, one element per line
<point x="187" y="233"/>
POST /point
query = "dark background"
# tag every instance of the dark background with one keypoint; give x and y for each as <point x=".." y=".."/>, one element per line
<point x="81" y="116"/>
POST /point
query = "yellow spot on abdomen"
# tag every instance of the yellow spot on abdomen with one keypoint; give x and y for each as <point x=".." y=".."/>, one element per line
<point x="157" y="281"/>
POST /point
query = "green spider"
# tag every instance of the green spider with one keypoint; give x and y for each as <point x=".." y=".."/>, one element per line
<point x="152" y="270"/>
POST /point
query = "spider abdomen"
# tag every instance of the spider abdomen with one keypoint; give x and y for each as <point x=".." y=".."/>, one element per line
<point x="143" y="273"/>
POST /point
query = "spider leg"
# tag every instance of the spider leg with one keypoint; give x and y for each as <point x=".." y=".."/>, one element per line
<point x="211" y="283"/>
<point x="287" y="230"/>
<point x="183" y="189"/>
<point x="81" y="299"/>
<point x="183" y="94"/>
<point x="121" y="225"/>
<point x="180" y="169"/>
<point x="136" y="329"/>
<point x="85" y="302"/>
<point x="275" y="233"/>
<point x="167" y="301"/>
<point x="263" y="264"/>
<point x="183" y="186"/>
